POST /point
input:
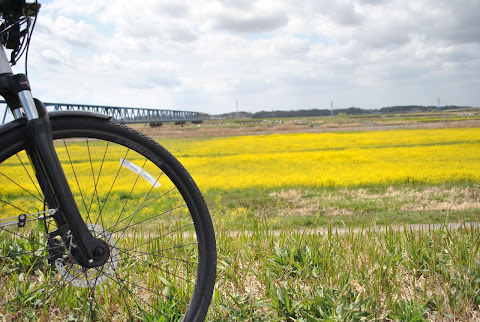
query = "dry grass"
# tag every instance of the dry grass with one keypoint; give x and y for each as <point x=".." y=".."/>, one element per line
<point x="407" y="199"/>
<point x="215" y="129"/>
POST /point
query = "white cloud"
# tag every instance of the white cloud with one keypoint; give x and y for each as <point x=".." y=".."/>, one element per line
<point x="205" y="55"/>
<point x="76" y="33"/>
<point x="63" y="56"/>
<point x="257" y="23"/>
<point x="291" y="46"/>
<point x="66" y="7"/>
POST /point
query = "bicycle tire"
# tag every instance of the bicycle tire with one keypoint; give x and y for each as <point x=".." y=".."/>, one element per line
<point x="133" y="194"/>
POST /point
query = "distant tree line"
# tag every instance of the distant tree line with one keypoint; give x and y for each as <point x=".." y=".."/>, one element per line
<point x="343" y="111"/>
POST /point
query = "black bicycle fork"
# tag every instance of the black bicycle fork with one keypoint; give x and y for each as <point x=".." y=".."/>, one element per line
<point x="88" y="250"/>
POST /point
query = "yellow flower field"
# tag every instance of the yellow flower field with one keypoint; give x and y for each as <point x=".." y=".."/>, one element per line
<point x="301" y="160"/>
<point x="332" y="159"/>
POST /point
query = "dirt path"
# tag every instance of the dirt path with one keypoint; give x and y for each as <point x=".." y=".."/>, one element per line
<point x="344" y="230"/>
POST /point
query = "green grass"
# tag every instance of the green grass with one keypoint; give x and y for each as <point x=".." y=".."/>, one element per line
<point x="394" y="275"/>
<point x="269" y="270"/>
<point x="358" y="206"/>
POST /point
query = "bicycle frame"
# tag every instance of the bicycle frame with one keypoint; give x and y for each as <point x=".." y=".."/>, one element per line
<point x="17" y="93"/>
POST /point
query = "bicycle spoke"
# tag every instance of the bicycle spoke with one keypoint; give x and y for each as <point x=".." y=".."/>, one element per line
<point x="21" y="187"/>
<point x="111" y="187"/>
<point x="140" y="208"/>
<point x="46" y="287"/>
<point x="91" y="295"/>
<point x="119" y="281"/>
<point x="76" y="179"/>
<point x="157" y="252"/>
<point x="123" y="288"/>
<point x="151" y="218"/>
<point x="6" y="202"/>
<point x="129" y="195"/>
<point x="23" y="237"/>
<point x="95" y="183"/>
<point x="154" y="241"/>
<point x="141" y="254"/>
<point x="29" y="176"/>
<point x="122" y="295"/>
<point x="12" y="252"/>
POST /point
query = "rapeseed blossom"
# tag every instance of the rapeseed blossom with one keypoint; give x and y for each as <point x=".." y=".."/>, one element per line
<point x="334" y="159"/>
<point x="299" y="160"/>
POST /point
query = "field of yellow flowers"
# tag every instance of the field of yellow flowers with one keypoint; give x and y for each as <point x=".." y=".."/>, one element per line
<point x="408" y="176"/>
<point x="348" y="159"/>
<point x="332" y="159"/>
<point x="285" y="166"/>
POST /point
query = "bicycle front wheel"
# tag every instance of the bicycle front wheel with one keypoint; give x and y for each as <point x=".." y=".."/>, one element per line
<point x="134" y="195"/>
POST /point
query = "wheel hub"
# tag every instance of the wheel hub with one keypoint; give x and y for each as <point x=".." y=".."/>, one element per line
<point x="79" y="275"/>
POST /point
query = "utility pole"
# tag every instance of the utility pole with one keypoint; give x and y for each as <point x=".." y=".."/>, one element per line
<point x="438" y="101"/>
<point x="237" y="110"/>
<point x="331" y="108"/>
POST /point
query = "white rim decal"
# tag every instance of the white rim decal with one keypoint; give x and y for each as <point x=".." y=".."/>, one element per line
<point x="140" y="171"/>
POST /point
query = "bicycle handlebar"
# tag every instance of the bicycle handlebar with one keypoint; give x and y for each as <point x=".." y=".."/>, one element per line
<point x="12" y="7"/>
<point x="18" y="8"/>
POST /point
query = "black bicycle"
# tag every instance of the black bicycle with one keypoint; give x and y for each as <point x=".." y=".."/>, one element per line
<point x="97" y="221"/>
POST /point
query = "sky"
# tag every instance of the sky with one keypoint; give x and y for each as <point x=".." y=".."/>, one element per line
<point x="208" y="55"/>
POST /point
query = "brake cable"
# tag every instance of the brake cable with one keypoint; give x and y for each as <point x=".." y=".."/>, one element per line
<point x="30" y="33"/>
<point x="26" y="34"/>
<point x="21" y="220"/>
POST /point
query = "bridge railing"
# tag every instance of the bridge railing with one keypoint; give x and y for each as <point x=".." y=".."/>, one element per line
<point x="128" y="115"/>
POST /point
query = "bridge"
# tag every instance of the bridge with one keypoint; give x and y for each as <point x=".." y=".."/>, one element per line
<point x="127" y="115"/>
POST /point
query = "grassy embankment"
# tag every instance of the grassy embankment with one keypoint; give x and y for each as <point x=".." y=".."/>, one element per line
<point x="352" y="179"/>
<point x="258" y="184"/>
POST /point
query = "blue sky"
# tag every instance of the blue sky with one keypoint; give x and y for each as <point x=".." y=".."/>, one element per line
<point x="283" y="54"/>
